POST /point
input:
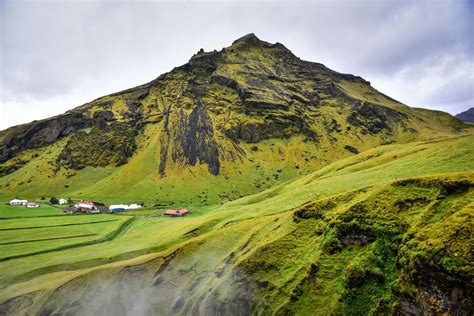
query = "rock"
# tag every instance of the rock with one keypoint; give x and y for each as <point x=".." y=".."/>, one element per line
<point x="374" y="119"/>
<point x="433" y="301"/>
<point x="231" y="83"/>
<point x="194" y="139"/>
<point x="40" y="133"/>
<point x="102" y="146"/>
<point x="107" y="116"/>
<point x="351" y="149"/>
<point x="357" y="239"/>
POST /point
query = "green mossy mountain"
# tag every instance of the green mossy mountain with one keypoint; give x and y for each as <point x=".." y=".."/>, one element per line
<point x="253" y="112"/>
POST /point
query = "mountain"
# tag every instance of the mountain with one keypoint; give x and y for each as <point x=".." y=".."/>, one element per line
<point x="466" y="116"/>
<point x="224" y="125"/>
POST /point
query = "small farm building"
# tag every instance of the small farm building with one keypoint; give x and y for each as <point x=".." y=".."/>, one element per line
<point x="177" y="212"/>
<point x="123" y="207"/>
<point x="18" y="202"/>
<point x="62" y="201"/>
<point x="118" y="208"/>
<point x="32" y="205"/>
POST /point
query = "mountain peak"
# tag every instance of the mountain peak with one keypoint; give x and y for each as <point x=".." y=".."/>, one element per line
<point x="250" y="38"/>
<point x="252" y="41"/>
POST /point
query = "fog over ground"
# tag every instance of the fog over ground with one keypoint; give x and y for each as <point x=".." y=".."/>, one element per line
<point x="56" y="55"/>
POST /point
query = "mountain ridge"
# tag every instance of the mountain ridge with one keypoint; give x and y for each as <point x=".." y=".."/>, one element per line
<point x="466" y="116"/>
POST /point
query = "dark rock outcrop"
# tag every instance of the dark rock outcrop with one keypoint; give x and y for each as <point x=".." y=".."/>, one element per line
<point x="194" y="139"/>
<point x="432" y="300"/>
<point x="101" y="146"/>
<point x="107" y="116"/>
<point x="373" y="118"/>
<point x="230" y="83"/>
<point x="40" y="133"/>
<point x="351" y="149"/>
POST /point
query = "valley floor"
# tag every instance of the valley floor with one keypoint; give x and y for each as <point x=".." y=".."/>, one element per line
<point x="385" y="231"/>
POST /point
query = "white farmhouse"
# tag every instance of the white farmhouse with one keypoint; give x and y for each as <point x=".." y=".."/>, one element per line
<point x="62" y="201"/>
<point x="18" y="202"/>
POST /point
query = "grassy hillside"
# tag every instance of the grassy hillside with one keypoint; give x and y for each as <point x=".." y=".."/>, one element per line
<point x="385" y="231"/>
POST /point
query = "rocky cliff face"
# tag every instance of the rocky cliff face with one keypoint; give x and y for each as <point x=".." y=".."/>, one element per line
<point x="210" y="111"/>
<point x="39" y="134"/>
<point x="194" y="139"/>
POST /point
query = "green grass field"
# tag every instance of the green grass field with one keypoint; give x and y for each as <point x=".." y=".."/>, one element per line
<point x="258" y="242"/>
<point x="27" y="232"/>
<point x="7" y="211"/>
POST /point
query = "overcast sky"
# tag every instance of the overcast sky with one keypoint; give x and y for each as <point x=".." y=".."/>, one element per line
<point x="56" y="55"/>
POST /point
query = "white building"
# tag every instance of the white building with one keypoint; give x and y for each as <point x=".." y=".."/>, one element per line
<point x="134" y="206"/>
<point x="62" y="201"/>
<point x="18" y="202"/>
<point x="32" y="205"/>
<point x="122" y="207"/>
<point x="118" y="207"/>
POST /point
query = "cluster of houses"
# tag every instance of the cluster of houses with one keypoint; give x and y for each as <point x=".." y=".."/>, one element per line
<point x="16" y="202"/>
<point x="86" y="207"/>
<point x="96" y="207"/>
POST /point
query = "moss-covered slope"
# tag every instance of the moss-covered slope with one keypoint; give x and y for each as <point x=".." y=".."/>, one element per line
<point x="388" y="231"/>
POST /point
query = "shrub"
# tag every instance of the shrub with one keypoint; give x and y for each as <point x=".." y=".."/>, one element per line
<point x="54" y="200"/>
<point x="355" y="276"/>
<point x="331" y="244"/>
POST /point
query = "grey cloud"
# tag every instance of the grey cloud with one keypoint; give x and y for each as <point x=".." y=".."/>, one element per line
<point x="455" y="91"/>
<point x="79" y="50"/>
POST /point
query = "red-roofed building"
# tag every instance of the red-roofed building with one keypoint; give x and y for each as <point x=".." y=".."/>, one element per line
<point x="177" y="212"/>
<point x="89" y="205"/>
<point x="86" y="207"/>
